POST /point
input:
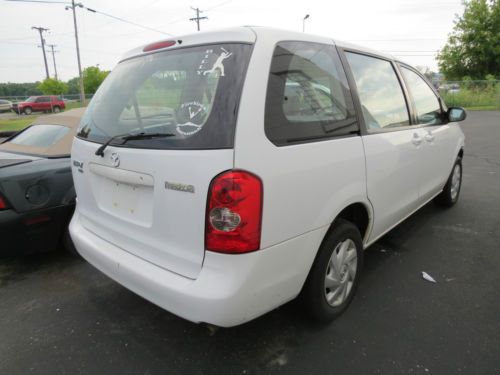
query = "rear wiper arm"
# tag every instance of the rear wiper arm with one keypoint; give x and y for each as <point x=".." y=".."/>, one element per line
<point x="131" y="137"/>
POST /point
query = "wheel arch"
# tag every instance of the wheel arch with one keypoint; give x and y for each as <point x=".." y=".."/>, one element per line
<point x="358" y="213"/>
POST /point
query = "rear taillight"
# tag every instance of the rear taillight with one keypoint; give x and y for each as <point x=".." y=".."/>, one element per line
<point x="234" y="213"/>
<point x="3" y="203"/>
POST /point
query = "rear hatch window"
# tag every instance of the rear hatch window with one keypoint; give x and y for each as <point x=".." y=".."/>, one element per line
<point x="191" y="94"/>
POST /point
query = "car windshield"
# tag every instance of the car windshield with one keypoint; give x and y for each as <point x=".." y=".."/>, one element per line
<point x="191" y="93"/>
<point x="40" y="135"/>
<point x="31" y="99"/>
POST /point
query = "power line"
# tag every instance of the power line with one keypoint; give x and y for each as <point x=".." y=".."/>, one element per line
<point x="41" y="30"/>
<point x="198" y="18"/>
<point x="126" y="21"/>
<point x="71" y="3"/>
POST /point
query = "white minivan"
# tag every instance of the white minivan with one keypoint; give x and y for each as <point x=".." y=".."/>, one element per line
<point x="222" y="174"/>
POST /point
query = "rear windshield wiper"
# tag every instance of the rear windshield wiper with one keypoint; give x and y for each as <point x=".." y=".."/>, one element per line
<point x="131" y="137"/>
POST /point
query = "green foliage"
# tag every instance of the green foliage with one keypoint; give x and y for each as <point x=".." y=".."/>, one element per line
<point x="92" y="78"/>
<point x="473" y="47"/>
<point x="73" y="86"/>
<point x="19" y="89"/>
<point x="52" y="86"/>
<point x="474" y="94"/>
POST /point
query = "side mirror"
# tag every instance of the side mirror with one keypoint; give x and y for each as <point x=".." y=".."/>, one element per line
<point x="456" y="114"/>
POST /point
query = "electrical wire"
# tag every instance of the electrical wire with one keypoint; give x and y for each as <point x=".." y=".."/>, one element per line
<point x="93" y="11"/>
<point x="126" y="21"/>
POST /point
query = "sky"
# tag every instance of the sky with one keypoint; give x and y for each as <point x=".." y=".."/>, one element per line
<point x="412" y="30"/>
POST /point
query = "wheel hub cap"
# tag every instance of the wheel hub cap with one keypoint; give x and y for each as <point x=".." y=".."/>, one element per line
<point x="455" y="182"/>
<point x="341" y="273"/>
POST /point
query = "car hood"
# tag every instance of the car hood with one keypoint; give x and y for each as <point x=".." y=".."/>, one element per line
<point x="10" y="158"/>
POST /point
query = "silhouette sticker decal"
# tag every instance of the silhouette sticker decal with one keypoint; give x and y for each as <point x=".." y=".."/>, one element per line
<point x="218" y="64"/>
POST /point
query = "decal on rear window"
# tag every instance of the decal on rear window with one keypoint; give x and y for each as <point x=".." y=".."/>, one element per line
<point x="218" y="65"/>
<point x="179" y="93"/>
<point x="191" y="117"/>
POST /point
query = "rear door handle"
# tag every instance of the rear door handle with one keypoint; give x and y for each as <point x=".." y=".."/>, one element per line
<point x="416" y="140"/>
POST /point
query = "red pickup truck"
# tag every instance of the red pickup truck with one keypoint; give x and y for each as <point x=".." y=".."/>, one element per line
<point x="46" y="103"/>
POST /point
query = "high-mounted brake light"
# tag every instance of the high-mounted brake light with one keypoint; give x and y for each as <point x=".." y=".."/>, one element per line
<point x="234" y="213"/>
<point x="158" y="45"/>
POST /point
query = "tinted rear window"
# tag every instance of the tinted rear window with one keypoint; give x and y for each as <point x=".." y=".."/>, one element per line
<point x="191" y="93"/>
<point x="308" y="98"/>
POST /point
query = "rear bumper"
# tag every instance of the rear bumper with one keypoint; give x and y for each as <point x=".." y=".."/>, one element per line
<point x="230" y="289"/>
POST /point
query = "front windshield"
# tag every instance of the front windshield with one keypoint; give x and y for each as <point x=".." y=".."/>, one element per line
<point x="191" y="93"/>
<point x="31" y="99"/>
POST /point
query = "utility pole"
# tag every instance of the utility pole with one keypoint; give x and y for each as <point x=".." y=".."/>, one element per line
<point x="73" y="7"/>
<point x="198" y="18"/>
<point x="40" y="31"/>
<point x="54" y="58"/>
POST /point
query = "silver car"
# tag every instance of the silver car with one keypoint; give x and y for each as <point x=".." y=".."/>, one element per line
<point x="5" y="105"/>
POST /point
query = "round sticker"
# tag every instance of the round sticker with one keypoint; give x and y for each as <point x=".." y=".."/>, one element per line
<point x="190" y="117"/>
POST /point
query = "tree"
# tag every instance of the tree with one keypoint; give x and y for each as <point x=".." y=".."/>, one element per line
<point x="52" y="86"/>
<point x="472" y="48"/>
<point x="10" y="89"/>
<point x="92" y="78"/>
<point x="74" y="86"/>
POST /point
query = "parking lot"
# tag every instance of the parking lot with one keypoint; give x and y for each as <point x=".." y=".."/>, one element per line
<point x="60" y="315"/>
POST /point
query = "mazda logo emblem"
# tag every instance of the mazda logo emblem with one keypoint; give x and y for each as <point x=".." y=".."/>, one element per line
<point x="115" y="159"/>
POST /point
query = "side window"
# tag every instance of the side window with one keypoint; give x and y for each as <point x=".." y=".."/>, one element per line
<point x="382" y="99"/>
<point x="425" y="101"/>
<point x="307" y="95"/>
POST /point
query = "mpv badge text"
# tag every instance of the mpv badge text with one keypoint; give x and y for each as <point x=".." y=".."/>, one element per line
<point x="79" y="165"/>
<point x="179" y="187"/>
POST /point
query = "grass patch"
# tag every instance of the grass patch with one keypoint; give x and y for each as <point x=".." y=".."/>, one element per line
<point x="15" y="124"/>
<point x="73" y="105"/>
<point x="483" y="108"/>
<point x="475" y="96"/>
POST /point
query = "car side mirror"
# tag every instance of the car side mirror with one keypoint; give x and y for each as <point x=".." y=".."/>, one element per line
<point x="456" y="114"/>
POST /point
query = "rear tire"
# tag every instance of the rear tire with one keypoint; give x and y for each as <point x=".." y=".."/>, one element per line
<point x="28" y="111"/>
<point x="334" y="276"/>
<point x="56" y="109"/>
<point x="451" y="191"/>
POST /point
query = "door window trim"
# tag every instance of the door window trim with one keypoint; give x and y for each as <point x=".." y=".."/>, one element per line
<point x="442" y="105"/>
<point x="355" y="95"/>
<point x="347" y="94"/>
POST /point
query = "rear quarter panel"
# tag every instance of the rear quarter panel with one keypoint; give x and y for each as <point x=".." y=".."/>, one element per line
<point x="305" y="185"/>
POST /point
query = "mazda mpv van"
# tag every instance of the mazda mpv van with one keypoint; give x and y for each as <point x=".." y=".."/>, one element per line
<point x="222" y="174"/>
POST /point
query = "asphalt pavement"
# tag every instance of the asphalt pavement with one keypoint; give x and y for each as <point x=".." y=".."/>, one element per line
<point x="59" y="315"/>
